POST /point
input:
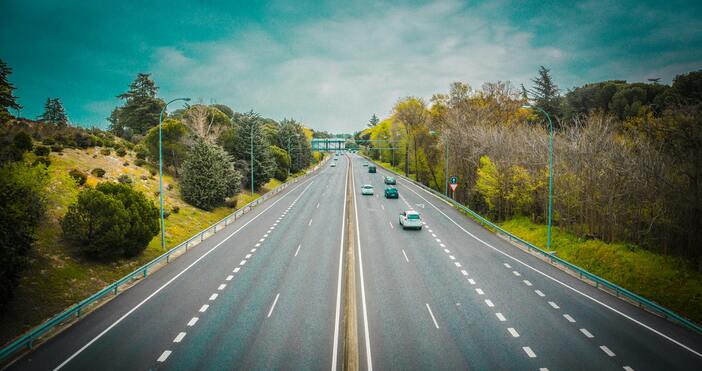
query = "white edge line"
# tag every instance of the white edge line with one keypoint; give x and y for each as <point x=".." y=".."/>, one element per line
<point x="273" y="306"/>
<point x="432" y="315"/>
<point x="369" y="359"/>
<point x="338" y="283"/>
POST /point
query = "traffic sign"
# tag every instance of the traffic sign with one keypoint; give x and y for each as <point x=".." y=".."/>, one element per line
<point x="453" y="186"/>
<point x="453" y="180"/>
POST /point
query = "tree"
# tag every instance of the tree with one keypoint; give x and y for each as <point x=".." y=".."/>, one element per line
<point x="208" y="176"/>
<point x="206" y="122"/>
<point x="23" y="141"/>
<point x="373" y="121"/>
<point x="7" y="98"/>
<point x="111" y="221"/>
<point x="249" y="127"/>
<point x="545" y="92"/>
<point x="22" y="206"/>
<point x="413" y="113"/>
<point x="225" y="109"/>
<point x="173" y="134"/>
<point x="141" y="108"/>
<point x="54" y="113"/>
<point x="293" y="139"/>
<point x="282" y="162"/>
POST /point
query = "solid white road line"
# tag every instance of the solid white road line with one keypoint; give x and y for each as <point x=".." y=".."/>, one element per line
<point x="538" y="292"/>
<point x="164" y="356"/>
<point x="554" y="305"/>
<point x="213" y="296"/>
<point x="587" y="333"/>
<point x="193" y="321"/>
<point x="203" y="308"/>
<point x="179" y="337"/>
<point x="432" y="316"/>
<point x="176" y="277"/>
<point x="607" y="350"/>
<point x="513" y="332"/>
<point x="403" y="253"/>
<point x="569" y="318"/>
<point x="273" y="306"/>
<point x="369" y="365"/>
<point x="680" y="344"/>
<point x="529" y="352"/>
<point x="500" y="317"/>
<point x="489" y="303"/>
<point x="298" y="249"/>
<point x="337" y="312"/>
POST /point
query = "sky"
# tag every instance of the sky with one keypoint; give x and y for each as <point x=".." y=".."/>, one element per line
<point x="331" y="64"/>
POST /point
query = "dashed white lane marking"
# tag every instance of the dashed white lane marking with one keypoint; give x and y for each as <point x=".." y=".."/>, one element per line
<point x="204" y="308"/>
<point x="457" y="264"/>
<point x="479" y="291"/>
<point x="271" y="228"/>
<point x="253" y="250"/>
<point x="403" y="253"/>
<point x="317" y="205"/>
<point x="310" y="223"/>
<point x="489" y="303"/>
<point x="607" y="350"/>
<point x="627" y="368"/>
<point x="236" y="269"/>
<point x="213" y="296"/>
<point x="430" y="231"/>
<point x="463" y="272"/>
<point x="526" y="282"/>
<point x="164" y="356"/>
<point x="569" y="318"/>
<point x="447" y="251"/>
<point x="222" y="286"/>
<point x="543" y="369"/>
<point x="258" y="244"/>
<point x="391" y="226"/>
<point x="432" y="316"/>
<point x="538" y="292"/>
<point x="193" y="321"/>
<point x="507" y="265"/>
<point x="261" y="240"/>
<point x="471" y="281"/>
<point x="438" y="240"/>
<point x="587" y="333"/>
<point x="513" y="332"/>
<point x="529" y="352"/>
<point x="433" y="235"/>
<point x="452" y="257"/>
<point x="554" y="305"/>
<point x="229" y="277"/>
<point x="273" y="306"/>
<point x="265" y="235"/>
<point x="500" y="317"/>
<point x="179" y="337"/>
<point x="442" y="245"/>
<point x="298" y="249"/>
<point x="248" y="256"/>
<point x="242" y="262"/>
<point x="516" y="273"/>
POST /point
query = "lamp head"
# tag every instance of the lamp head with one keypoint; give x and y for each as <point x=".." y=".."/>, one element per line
<point x="527" y="106"/>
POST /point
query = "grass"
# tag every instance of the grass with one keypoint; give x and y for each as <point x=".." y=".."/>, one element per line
<point x="669" y="281"/>
<point x="56" y="276"/>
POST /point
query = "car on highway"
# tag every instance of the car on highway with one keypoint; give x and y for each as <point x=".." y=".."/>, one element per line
<point x="391" y="192"/>
<point x="365" y="163"/>
<point x="336" y="159"/>
<point x="371" y="169"/>
<point x="333" y="164"/>
<point x="410" y="219"/>
<point x="390" y="180"/>
<point x="367" y="190"/>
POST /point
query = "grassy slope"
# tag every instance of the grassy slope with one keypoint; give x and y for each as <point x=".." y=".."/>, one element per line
<point x="669" y="281"/>
<point x="56" y="277"/>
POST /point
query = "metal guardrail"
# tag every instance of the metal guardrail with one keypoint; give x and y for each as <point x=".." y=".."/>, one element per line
<point x="27" y="340"/>
<point x="618" y="290"/>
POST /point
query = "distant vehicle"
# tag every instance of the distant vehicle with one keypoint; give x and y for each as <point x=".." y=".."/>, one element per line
<point x="333" y="164"/>
<point x="390" y="180"/>
<point x="367" y="190"/>
<point x="410" y="219"/>
<point x="336" y="159"/>
<point x="371" y="169"/>
<point x="391" y="192"/>
<point x="365" y="163"/>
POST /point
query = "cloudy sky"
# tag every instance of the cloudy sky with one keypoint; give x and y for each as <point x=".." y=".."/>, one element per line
<point x="331" y="64"/>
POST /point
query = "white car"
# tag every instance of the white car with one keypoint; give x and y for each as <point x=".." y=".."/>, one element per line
<point x="333" y="164"/>
<point x="367" y="189"/>
<point x="410" y="219"/>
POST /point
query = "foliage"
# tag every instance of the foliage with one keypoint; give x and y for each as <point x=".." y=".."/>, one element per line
<point x="208" y="176"/>
<point x="282" y="162"/>
<point x="206" y="122"/>
<point x="98" y="172"/>
<point x="7" y="98"/>
<point x="42" y="160"/>
<point x="174" y="134"/>
<point x="374" y="120"/>
<point x="23" y="141"/>
<point x="54" y="114"/>
<point x="141" y="108"/>
<point x="121" y="152"/>
<point x="545" y="93"/>
<point x="22" y="206"/>
<point x="293" y="138"/>
<point x="250" y="134"/>
<point x="110" y="221"/>
<point x="42" y="150"/>
<point x="124" y="179"/>
<point x="78" y="175"/>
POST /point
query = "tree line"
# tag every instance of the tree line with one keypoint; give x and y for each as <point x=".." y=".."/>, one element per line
<point x="627" y="156"/>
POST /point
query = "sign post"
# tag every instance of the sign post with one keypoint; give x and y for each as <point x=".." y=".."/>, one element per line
<point x="453" y="183"/>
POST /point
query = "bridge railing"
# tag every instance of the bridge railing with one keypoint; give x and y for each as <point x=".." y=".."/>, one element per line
<point x="27" y="340"/>
<point x="597" y="280"/>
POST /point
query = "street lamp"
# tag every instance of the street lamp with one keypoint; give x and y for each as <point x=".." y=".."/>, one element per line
<point x="160" y="168"/>
<point x="252" y="158"/>
<point x="446" y="175"/>
<point x="290" y="164"/>
<point x="550" y="172"/>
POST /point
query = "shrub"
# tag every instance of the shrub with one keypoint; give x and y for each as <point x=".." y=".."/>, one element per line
<point x="98" y="172"/>
<point x="126" y="163"/>
<point x="144" y="177"/>
<point x="21" y="208"/>
<point x="121" y="152"/>
<point x="78" y="175"/>
<point x="48" y="141"/>
<point x="169" y="186"/>
<point x="105" y="151"/>
<point x="42" y="160"/>
<point x="139" y="162"/>
<point x="57" y="148"/>
<point x="125" y="179"/>
<point x="110" y="221"/>
<point x="141" y="152"/>
<point x="23" y="141"/>
<point x="152" y="172"/>
<point x="231" y="202"/>
<point x="175" y="209"/>
<point x="42" y="150"/>
<point x="208" y="176"/>
<point x="282" y="162"/>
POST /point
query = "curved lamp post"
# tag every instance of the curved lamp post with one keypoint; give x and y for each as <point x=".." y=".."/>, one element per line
<point x="160" y="168"/>
<point x="550" y="171"/>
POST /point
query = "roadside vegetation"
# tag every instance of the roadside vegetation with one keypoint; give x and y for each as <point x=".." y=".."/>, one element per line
<point x="79" y="207"/>
<point x="627" y="167"/>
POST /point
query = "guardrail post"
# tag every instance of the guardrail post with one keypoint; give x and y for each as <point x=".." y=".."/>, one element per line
<point x="168" y="256"/>
<point x="145" y="272"/>
<point x="116" y="290"/>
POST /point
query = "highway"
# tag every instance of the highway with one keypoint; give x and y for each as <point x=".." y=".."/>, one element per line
<point x="266" y="292"/>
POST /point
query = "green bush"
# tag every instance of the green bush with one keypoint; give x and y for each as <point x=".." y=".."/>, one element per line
<point x="23" y="141"/>
<point x="57" y="148"/>
<point x="105" y="151"/>
<point x="48" y="141"/>
<point x="78" y="175"/>
<point x="141" y="152"/>
<point x="208" y="176"/>
<point x="98" y="172"/>
<point x="126" y="163"/>
<point x="42" y="150"/>
<point x="110" y="221"/>
<point x="42" y="160"/>
<point x="21" y="208"/>
<point x="139" y="162"/>
<point x="121" y="152"/>
<point x="282" y="163"/>
<point x="175" y="210"/>
<point x="125" y="179"/>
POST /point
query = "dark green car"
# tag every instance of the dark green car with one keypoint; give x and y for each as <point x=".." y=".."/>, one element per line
<point x="390" y="180"/>
<point x="391" y="192"/>
<point x="371" y="169"/>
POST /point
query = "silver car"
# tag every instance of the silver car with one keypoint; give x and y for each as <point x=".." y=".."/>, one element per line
<point x="410" y="219"/>
<point x="367" y="190"/>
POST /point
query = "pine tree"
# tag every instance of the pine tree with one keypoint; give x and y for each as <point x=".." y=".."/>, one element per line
<point x="141" y="108"/>
<point x="300" y="151"/>
<point x="7" y="99"/>
<point x="208" y="176"/>
<point x="544" y="93"/>
<point x="54" y="114"/>
<point x="373" y="121"/>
